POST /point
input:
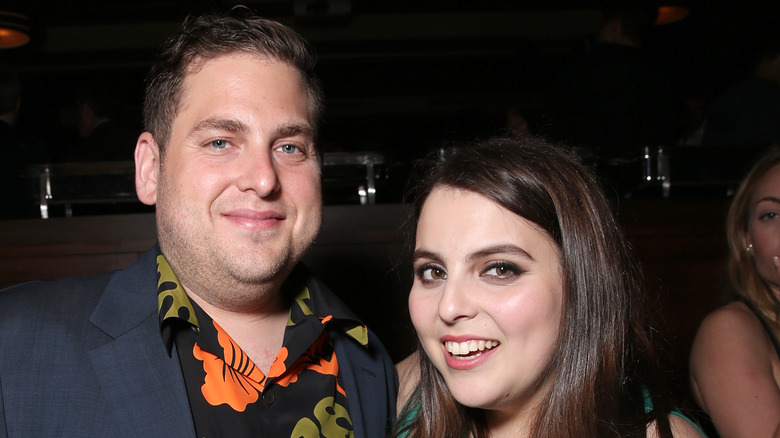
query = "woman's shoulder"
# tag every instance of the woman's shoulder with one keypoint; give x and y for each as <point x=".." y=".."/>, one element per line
<point x="734" y="322"/>
<point x="731" y="334"/>
<point x="681" y="427"/>
<point x="408" y="376"/>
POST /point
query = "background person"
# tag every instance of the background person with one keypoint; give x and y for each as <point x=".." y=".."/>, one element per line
<point x="102" y="135"/>
<point x="217" y="331"/>
<point x="19" y="151"/>
<point x="527" y="304"/>
<point x="735" y="368"/>
<point x="614" y="98"/>
<point x="747" y="114"/>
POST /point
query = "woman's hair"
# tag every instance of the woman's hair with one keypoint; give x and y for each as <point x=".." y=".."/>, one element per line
<point x="603" y="364"/>
<point x="742" y="269"/>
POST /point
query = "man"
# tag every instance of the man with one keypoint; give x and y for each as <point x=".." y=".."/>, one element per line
<point x="102" y="136"/>
<point x="612" y="99"/>
<point x="19" y="150"/>
<point x="11" y="145"/>
<point x="218" y="331"/>
<point x="746" y="115"/>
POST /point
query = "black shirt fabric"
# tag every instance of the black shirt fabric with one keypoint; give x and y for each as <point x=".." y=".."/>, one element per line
<point x="299" y="397"/>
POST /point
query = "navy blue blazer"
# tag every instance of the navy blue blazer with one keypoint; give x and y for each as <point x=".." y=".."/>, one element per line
<point x="83" y="357"/>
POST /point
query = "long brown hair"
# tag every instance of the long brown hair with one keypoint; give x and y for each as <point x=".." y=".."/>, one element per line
<point x="604" y="362"/>
<point x="744" y="277"/>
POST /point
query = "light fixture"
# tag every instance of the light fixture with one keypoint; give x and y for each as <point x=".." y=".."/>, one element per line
<point x="14" y="30"/>
<point x="670" y="14"/>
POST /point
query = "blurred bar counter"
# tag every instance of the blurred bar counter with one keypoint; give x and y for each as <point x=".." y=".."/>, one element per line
<point x="679" y="241"/>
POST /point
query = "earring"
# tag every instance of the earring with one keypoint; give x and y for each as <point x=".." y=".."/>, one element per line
<point x="750" y="248"/>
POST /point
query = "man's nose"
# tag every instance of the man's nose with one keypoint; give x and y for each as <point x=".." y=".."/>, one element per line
<point x="258" y="172"/>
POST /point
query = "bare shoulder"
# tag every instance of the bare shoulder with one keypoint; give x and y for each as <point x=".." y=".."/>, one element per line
<point x="735" y="312"/>
<point x="681" y="428"/>
<point x="733" y="338"/>
<point x="729" y="329"/>
<point x="733" y="373"/>
<point x="408" y="377"/>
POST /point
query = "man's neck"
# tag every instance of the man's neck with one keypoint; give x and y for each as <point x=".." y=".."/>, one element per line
<point x="259" y="332"/>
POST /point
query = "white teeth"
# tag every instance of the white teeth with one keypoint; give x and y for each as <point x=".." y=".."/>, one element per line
<point x="471" y="346"/>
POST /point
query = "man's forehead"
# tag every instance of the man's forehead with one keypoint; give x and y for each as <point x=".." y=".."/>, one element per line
<point x="198" y="62"/>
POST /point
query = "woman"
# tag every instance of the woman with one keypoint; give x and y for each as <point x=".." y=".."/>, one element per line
<point x="527" y="305"/>
<point x="735" y="368"/>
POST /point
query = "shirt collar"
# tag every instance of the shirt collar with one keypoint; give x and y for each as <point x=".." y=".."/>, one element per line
<point x="175" y="308"/>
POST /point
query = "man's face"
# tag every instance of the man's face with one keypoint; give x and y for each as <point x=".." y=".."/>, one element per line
<point x="238" y="188"/>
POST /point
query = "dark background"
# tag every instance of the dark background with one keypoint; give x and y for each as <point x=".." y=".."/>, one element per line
<point x="400" y="77"/>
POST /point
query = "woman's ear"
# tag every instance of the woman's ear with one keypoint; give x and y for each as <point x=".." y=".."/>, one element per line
<point x="147" y="168"/>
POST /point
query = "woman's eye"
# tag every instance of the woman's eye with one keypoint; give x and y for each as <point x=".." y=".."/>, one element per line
<point x="502" y="270"/>
<point x="431" y="273"/>
<point x="219" y="144"/>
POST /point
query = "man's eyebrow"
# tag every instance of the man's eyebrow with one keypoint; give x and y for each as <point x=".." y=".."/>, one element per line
<point x="296" y="129"/>
<point x="229" y="125"/>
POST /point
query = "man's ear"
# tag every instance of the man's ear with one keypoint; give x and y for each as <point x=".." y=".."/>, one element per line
<point x="147" y="168"/>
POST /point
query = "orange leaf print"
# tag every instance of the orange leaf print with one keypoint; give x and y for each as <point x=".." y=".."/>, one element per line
<point x="236" y="385"/>
<point x="327" y="366"/>
<point x="278" y="368"/>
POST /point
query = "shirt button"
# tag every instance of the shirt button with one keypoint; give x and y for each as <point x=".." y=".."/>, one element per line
<point x="268" y="397"/>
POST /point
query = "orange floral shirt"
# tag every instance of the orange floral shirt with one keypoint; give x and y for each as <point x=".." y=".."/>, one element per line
<point x="230" y="397"/>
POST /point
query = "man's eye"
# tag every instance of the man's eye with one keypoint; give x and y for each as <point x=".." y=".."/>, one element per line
<point x="289" y="149"/>
<point x="219" y="144"/>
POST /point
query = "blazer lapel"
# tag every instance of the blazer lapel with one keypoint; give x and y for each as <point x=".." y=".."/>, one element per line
<point x="142" y="384"/>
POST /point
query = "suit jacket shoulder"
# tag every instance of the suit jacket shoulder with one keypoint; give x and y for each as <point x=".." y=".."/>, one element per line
<point x="84" y="357"/>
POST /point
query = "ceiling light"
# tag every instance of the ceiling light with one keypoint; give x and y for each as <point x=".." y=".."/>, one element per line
<point x="670" y="14"/>
<point x="14" y="30"/>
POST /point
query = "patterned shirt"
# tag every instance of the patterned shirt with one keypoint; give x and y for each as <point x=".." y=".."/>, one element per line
<point x="230" y="397"/>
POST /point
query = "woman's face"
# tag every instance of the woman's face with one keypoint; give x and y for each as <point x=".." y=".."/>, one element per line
<point x="764" y="227"/>
<point x="486" y="299"/>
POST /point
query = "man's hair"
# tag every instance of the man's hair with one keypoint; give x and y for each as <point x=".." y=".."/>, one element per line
<point x="210" y="36"/>
<point x="10" y="90"/>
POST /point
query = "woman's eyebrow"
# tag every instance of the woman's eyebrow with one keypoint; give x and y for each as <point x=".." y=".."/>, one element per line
<point x="769" y="199"/>
<point x="500" y="249"/>
<point x="424" y="254"/>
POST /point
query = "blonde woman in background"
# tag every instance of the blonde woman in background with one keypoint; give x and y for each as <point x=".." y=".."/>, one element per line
<point x="735" y="367"/>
